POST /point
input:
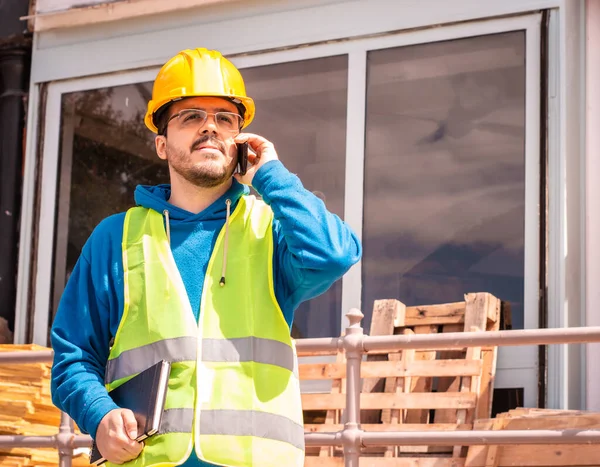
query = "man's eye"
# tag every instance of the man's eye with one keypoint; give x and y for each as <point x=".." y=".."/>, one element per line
<point x="190" y="117"/>
<point x="225" y="118"/>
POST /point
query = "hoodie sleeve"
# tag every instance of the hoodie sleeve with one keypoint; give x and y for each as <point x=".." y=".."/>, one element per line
<point x="80" y="335"/>
<point x="313" y="247"/>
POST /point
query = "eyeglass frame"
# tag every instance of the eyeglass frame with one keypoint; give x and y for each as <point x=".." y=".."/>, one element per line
<point x="214" y="114"/>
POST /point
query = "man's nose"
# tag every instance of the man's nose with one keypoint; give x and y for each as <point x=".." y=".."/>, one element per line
<point x="210" y="125"/>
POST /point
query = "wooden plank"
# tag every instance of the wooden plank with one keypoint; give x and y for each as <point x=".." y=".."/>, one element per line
<point x="424" y="368"/>
<point x="391" y="384"/>
<point x="447" y="313"/>
<point x="14" y="461"/>
<point x="402" y="385"/>
<point x="489" y="357"/>
<point x="392" y="401"/>
<point x="311" y="461"/>
<point x="493" y="305"/>
<point x="411" y="462"/>
<point x="449" y="384"/>
<point x="535" y="412"/>
<point x="16" y="408"/>
<point x="551" y="422"/>
<point x="385" y="313"/>
<point x="21" y="347"/>
<point x="424" y="383"/>
<point x="338" y="386"/>
<point x="316" y="353"/>
<point x="397" y="385"/>
<point x="26" y="371"/>
<point x="480" y="308"/>
<point x="24" y="428"/>
<point x="541" y="456"/>
<point x="468" y="384"/>
<point x="493" y="454"/>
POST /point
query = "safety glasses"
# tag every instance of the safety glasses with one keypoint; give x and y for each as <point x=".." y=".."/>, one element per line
<point x="194" y="119"/>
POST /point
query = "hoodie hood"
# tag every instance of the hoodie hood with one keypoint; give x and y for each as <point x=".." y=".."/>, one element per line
<point x="156" y="198"/>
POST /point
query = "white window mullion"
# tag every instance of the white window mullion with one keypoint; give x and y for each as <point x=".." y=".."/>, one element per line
<point x="27" y="216"/>
<point x="355" y="167"/>
<point x="527" y="357"/>
<point x="45" y="244"/>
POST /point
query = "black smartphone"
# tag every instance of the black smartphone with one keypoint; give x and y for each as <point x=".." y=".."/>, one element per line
<point x="242" y="155"/>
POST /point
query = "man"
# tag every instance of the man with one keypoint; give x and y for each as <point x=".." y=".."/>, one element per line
<point x="203" y="275"/>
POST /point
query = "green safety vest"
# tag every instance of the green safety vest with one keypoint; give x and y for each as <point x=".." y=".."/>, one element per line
<point x="234" y="393"/>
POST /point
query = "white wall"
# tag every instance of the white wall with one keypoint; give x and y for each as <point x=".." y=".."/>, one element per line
<point x="259" y="25"/>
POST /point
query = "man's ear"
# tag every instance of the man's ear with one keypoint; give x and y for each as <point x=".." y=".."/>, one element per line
<point x="161" y="146"/>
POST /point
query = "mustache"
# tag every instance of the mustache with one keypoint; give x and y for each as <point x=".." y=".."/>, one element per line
<point x="209" y="138"/>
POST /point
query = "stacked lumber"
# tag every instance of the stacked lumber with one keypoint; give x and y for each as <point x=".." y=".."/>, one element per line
<point x="26" y="409"/>
<point x="542" y="455"/>
<point x="413" y="390"/>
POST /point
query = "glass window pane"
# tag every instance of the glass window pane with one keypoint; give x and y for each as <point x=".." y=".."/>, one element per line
<point x="301" y="108"/>
<point x="445" y="172"/>
<point x="106" y="151"/>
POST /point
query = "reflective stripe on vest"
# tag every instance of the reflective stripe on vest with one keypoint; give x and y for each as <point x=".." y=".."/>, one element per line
<point x="241" y="349"/>
<point x="236" y="423"/>
<point x="240" y="420"/>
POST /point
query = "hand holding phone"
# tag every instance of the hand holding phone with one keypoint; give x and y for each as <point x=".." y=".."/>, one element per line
<point x="254" y="151"/>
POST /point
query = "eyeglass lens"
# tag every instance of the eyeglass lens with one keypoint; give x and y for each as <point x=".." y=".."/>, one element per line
<point x="196" y="118"/>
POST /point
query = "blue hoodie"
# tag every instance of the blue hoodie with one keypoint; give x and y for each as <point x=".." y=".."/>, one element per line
<point x="312" y="249"/>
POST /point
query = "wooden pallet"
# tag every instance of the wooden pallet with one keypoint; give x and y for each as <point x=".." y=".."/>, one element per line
<point x="536" y="455"/>
<point x="413" y="390"/>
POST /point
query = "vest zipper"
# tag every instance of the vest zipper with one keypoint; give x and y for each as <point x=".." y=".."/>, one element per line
<point x="224" y="267"/>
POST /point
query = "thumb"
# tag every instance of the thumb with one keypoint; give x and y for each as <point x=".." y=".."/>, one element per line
<point x="129" y="423"/>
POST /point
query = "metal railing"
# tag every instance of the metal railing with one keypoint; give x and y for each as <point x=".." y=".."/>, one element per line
<point x="352" y="438"/>
<point x="354" y="343"/>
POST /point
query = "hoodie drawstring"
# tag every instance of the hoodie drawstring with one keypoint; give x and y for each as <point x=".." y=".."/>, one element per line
<point x="167" y="225"/>
<point x="224" y="269"/>
<point x="222" y="281"/>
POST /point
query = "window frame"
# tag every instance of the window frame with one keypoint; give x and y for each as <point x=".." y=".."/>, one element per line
<point x="523" y="370"/>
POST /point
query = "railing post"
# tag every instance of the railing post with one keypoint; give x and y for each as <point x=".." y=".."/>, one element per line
<point x="353" y="346"/>
<point x="65" y="436"/>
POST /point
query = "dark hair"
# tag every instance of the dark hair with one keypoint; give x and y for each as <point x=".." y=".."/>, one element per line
<point x="240" y="107"/>
<point x="162" y="115"/>
<point x="161" y="118"/>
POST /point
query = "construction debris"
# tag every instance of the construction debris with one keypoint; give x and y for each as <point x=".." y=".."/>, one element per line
<point x="537" y="455"/>
<point x="26" y="409"/>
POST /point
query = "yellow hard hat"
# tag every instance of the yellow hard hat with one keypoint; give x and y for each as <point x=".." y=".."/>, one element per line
<point x="195" y="73"/>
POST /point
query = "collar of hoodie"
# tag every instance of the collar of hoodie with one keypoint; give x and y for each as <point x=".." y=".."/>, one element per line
<point x="225" y="244"/>
<point x="155" y="197"/>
